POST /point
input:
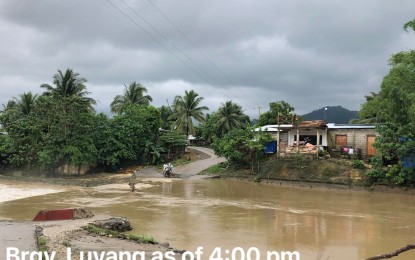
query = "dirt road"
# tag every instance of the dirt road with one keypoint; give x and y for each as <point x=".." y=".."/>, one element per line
<point x="186" y="170"/>
<point x="191" y="169"/>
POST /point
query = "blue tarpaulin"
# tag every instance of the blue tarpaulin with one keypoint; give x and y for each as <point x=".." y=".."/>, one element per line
<point x="271" y="147"/>
<point x="409" y="161"/>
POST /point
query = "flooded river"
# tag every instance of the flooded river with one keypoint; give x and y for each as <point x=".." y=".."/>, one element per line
<point x="318" y="223"/>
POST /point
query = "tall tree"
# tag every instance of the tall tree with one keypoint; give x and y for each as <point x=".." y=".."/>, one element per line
<point x="25" y="103"/>
<point x="394" y="108"/>
<point x="69" y="84"/>
<point x="231" y="117"/>
<point x="186" y="109"/>
<point x="165" y="113"/>
<point x="17" y="107"/>
<point x="372" y="111"/>
<point x="11" y="104"/>
<point x="281" y="108"/>
<point x="133" y="94"/>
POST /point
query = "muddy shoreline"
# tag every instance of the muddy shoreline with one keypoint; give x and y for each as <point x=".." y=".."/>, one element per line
<point x="324" y="186"/>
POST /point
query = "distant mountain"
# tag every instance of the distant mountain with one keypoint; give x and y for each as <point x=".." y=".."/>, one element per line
<point x="333" y="114"/>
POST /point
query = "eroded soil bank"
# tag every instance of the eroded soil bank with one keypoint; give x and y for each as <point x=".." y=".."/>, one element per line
<point x="323" y="173"/>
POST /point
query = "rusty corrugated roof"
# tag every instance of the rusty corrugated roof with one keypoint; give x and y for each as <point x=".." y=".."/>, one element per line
<point x="313" y="124"/>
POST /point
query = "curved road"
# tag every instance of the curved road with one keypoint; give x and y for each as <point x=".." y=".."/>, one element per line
<point x="193" y="168"/>
<point x="185" y="170"/>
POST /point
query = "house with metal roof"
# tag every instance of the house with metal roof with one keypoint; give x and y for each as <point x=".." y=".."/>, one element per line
<point x="345" y="138"/>
<point x="308" y="137"/>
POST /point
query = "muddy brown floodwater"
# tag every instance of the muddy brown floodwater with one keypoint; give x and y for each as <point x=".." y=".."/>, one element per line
<point x="319" y="223"/>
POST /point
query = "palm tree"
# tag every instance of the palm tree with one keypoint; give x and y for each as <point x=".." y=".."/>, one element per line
<point x="133" y="94"/>
<point x="185" y="110"/>
<point x="26" y="103"/>
<point x="11" y="105"/>
<point x="23" y="105"/>
<point x="69" y="85"/>
<point x="18" y="107"/>
<point x="231" y="117"/>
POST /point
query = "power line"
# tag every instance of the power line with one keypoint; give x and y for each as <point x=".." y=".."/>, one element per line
<point x="192" y="44"/>
<point x="171" y="43"/>
<point x="155" y="39"/>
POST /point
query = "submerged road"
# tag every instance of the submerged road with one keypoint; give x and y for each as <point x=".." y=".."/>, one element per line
<point x="186" y="170"/>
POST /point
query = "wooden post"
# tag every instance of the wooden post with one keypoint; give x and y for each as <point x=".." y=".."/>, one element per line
<point x="278" y="136"/>
<point x="318" y="142"/>
<point x="298" y="140"/>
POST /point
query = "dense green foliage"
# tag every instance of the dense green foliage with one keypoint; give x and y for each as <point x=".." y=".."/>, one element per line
<point x="173" y="142"/>
<point x="393" y="109"/>
<point x="60" y="128"/>
<point x="228" y="117"/>
<point x="186" y="110"/>
<point x="242" y="147"/>
<point x="69" y="84"/>
<point x="133" y="95"/>
<point x="165" y="114"/>
<point x="280" y="108"/>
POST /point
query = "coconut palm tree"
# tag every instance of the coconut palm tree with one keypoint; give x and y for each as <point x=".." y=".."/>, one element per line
<point x="23" y="105"/>
<point x="11" y="105"/>
<point x="186" y="109"/>
<point x="26" y="103"/>
<point x="17" y="107"/>
<point x="133" y="94"/>
<point x="230" y="117"/>
<point x="69" y="84"/>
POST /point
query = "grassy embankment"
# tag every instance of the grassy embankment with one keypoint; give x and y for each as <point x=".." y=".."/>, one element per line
<point x="328" y="171"/>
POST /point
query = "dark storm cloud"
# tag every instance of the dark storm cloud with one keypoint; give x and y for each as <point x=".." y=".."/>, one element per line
<point x="309" y="53"/>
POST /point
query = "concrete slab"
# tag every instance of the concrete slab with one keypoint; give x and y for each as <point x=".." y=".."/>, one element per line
<point x="20" y="235"/>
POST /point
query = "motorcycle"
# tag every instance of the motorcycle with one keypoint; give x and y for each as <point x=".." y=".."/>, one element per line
<point x="167" y="173"/>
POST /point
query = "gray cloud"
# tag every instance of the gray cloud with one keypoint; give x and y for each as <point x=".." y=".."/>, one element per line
<point x="311" y="54"/>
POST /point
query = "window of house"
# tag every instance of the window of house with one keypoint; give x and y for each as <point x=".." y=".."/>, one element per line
<point x="341" y="140"/>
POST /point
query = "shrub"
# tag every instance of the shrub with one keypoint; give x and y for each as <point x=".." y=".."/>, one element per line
<point x="358" y="164"/>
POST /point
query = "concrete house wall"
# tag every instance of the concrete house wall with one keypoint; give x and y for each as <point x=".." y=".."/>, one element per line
<point x="356" y="137"/>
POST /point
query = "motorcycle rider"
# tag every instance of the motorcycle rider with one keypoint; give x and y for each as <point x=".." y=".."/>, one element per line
<point x="169" y="169"/>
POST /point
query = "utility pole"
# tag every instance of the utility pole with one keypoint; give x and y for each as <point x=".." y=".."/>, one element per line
<point x="259" y="111"/>
<point x="278" y="135"/>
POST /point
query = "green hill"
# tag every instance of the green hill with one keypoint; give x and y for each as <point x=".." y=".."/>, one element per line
<point x="333" y="114"/>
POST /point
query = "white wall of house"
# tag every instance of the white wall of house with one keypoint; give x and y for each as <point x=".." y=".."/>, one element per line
<point x="292" y="133"/>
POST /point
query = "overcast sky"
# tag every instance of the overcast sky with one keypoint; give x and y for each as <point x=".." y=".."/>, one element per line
<point x="308" y="53"/>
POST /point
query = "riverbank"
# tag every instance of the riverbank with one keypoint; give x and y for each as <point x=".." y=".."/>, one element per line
<point x="61" y="237"/>
<point x="337" y="174"/>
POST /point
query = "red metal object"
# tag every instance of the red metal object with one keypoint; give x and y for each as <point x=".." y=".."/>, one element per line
<point x="56" y="214"/>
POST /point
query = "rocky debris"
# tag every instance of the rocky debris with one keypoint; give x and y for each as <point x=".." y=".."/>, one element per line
<point x="115" y="223"/>
<point x="79" y="213"/>
<point x="165" y="244"/>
